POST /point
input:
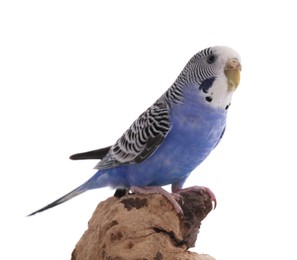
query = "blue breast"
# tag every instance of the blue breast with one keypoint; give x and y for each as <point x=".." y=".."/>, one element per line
<point x="196" y="129"/>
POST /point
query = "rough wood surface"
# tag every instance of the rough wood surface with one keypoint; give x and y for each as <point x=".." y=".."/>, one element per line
<point x="144" y="227"/>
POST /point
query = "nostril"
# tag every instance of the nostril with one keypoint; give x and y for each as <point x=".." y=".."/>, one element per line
<point x="233" y="64"/>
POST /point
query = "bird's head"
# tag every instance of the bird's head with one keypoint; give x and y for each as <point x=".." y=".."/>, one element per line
<point x="216" y="73"/>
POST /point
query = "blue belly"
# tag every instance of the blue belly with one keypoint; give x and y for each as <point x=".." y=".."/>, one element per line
<point x="195" y="132"/>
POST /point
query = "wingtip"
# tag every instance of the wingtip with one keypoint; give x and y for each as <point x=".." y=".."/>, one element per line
<point x="73" y="157"/>
<point x="80" y="156"/>
<point x="94" y="154"/>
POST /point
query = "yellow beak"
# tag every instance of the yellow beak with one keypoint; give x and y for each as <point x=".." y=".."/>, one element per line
<point x="232" y="72"/>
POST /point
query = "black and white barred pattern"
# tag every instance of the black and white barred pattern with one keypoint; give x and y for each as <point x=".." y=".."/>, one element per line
<point x="201" y="66"/>
<point x="148" y="131"/>
<point x="141" y="139"/>
<point x="198" y="69"/>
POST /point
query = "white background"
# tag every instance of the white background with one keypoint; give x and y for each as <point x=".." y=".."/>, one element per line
<point x="75" y="74"/>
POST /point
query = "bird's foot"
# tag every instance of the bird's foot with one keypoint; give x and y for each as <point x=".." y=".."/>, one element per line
<point x="159" y="190"/>
<point x="120" y="193"/>
<point x="199" y="188"/>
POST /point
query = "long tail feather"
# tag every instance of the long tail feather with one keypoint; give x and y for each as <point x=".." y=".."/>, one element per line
<point x="66" y="197"/>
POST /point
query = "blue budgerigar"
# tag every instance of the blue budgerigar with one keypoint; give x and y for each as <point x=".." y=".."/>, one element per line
<point x="173" y="136"/>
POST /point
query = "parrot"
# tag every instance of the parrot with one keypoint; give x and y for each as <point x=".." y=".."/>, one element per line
<point x="173" y="136"/>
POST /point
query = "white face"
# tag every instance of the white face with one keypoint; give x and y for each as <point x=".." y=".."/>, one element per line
<point x="221" y="91"/>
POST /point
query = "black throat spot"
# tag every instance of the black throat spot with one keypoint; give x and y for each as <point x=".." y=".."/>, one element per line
<point x="206" y="84"/>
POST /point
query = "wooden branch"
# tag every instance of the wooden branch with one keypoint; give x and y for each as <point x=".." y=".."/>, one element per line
<point x="144" y="227"/>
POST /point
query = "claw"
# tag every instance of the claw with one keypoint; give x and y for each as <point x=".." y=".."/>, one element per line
<point x="205" y="189"/>
<point x="211" y="195"/>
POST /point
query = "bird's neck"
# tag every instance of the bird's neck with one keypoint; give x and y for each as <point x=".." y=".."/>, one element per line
<point x="194" y="103"/>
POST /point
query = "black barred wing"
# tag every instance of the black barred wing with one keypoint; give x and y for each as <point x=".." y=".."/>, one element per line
<point x="142" y="138"/>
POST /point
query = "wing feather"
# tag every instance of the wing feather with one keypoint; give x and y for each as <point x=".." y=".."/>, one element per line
<point x="142" y="138"/>
<point x="95" y="154"/>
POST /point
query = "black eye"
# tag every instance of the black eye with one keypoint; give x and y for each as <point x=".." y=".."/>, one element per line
<point x="211" y="59"/>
